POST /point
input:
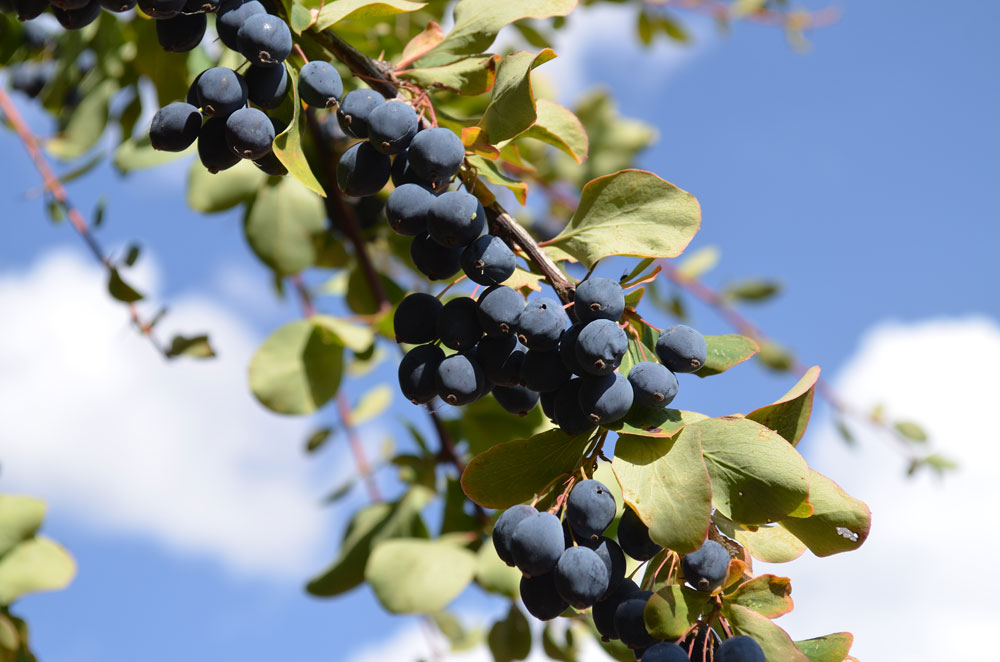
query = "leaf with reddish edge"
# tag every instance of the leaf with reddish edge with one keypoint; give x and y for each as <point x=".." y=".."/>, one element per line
<point x="831" y="648"/>
<point x="477" y="142"/>
<point x="515" y="471"/>
<point x="557" y="126"/>
<point x="768" y="595"/>
<point x="726" y="351"/>
<point x="789" y="415"/>
<point x="839" y="522"/>
<point x="667" y="484"/>
<point x="775" y="642"/>
<point x="288" y="143"/>
<point x="512" y="107"/>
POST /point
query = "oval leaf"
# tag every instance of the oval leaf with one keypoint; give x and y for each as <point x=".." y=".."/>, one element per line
<point x="839" y="523"/>
<point x="282" y="226"/>
<point x="416" y="576"/>
<point x="673" y="610"/>
<point x="288" y="143"/>
<point x="757" y="476"/>
<point x="37" y="564"/>
<point x="789" y="416"/>
<point x="515" y="471"/>
<point x="776" y="643"/>
<point x="726" y="351"/>
<point x="768" y="595"/>
<point x="831" y="648"/>
<point x="298" y="368"/>
<point x="512" y="107"/>
<point x="496" y="576"/>
<point x="631" y="212"/>
<point x="224" y="190"/>
<point x="665" y="480"/>
<point x="771" y="544"/>
<point x="334" y="12"/>
<point x="20" y="518"/>
<point x="557" y="126"/>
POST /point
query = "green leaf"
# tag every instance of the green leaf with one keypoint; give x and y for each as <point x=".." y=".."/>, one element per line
<point x="355" y="337"/>
<point x="318" y="439"/>
<point x="496" y="576"/>
<point x="491" y="172"/>
<point x="197" y="347"/>
<point x="416" y="576"/>
<point x="557" y="126"/>
<point x="373" y="404"/>
<point x="469" y="76"/>
<point x="86" y="124"/>
<point x="288" y="143"/>
<point x="751" y="290"/>
<point x="515" y="471"/>
<point x="757" y="476"/>
<point x="138" y="154"/>
<point x="334" y="12"/>
<point x="370" y="525"/>
<point x="768" y="595"/>
<point x="831" y="648"/>
<point x="726" y="351"/>
<point x="121" y="290"/>
<point x="776" y="643"/>
<point x="459" y="638"/>
<point x="224" y="190"/>
<point x="282" y="226"/>
<point x="298" y="368"/>
<point x="656" y="422"/>
<point x="37" y="564"/>
<point x="673" y="610"/>
<point x="697" y="264"/>
<point x="789" y="415"/>
<point x="631" y="212"/>
<point x="839" y="523"/>
<point x="615" y="141"/>
<point x="912" y="431"/>
<point x="512" y="108"/>
<point x="776" y="357"/>
<point x="665" y="480"/>
<point x="20" y="518"/>
<point x="510" y="639"/>
<point x="477" y="23"/>
<point x="556" y="650"/>
<point x="771" y="544"/>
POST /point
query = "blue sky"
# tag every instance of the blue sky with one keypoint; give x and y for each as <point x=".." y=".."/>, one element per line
<point x="861" y="175"/>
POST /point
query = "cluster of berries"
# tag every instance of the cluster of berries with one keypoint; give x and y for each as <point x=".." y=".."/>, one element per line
<point x="524" y="353"/>
<point x="234" y="130"/>
<point x="571" y="563"/>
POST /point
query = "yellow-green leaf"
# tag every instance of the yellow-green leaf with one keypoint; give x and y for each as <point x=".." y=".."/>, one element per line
<point x="283" y="224"/>
<point x="631" y="212"/>
<point x="469" y="76"/>
<point x="557" y="126"/>
<point x="839" y="522"/>
<point x="373" y="404"/>
<point x="416" y="576"/>
<point x="334" y="12"/>
<point x="789" y="415"/>
<point x="288" y="143"/>
<point x="512" y="107"/>
<point x="20" y="518"/>
<point x="37" y="564"/>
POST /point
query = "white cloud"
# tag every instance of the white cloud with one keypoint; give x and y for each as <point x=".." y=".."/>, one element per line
<point x="95" y="422"/>
<point x="422" y="641"/>
<point x="919" y="587"/>
<point x="597" y="35"/>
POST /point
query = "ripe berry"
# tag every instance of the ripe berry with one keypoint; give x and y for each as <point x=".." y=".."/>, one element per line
<point x="604" y="611"/>
<point x="249" y="133"/>
<point x="606" y="399"/>
<point x="503" y="530"/>
<point x="407" y="209"/>
<point x="541" y="323"/>
<point x="543" y="371"/>
<point x="391" y="127"/>
<point x="77" y="19"/>
<point x="629" y="622"/>
<point x="740" y="648"/>
<point x="415" y="318"/>
<point x="221" y="91"/>
<point x="541" y="598"/>
<point x="231" y="16"/>
<point x="267" y="86"/>
<point x="436" y="154"/>
<point x="600" y="347"/>
<point x="501" y="360"/>
<point x="181" y="33"/>
<point x="681" y="348"/>
<point x="706" y="568"/>
<point x="362" y="171"/>
<point x="633" y="536"/>
<point x="665" y="651"/>
<point x="161" y="9"/>
<point x="433" y="260"/>
<point x="569" y="416"/>
<point x="590" y="509"/>
<point x="653" y="384"/>
<point x="457" y="324"/>
<point x="488" y="260"/>
<point x="499" y="309"/>
<point x="516" y="399"/>
<point x="460" y="380"/>
<point x="418" y="373"/>
<point x="175" y="127"/>
<point x="537" y="544"/>
<point x="581" y="577"/>
<point x="599" y="298"/>
<point x="213" y="148"/>
<point x="352" y="115"/>
<point x="320" y="84"/>
<point x="264" y="39"/>
<point x="456" y="219"/>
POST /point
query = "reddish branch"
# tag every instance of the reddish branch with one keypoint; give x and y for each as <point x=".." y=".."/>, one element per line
<point x="357" y="447"/>
<point x="55" y="188"/>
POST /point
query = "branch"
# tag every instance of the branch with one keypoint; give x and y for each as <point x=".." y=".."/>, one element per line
<point x="357" y="447"/>
<point x="55" y="187"/>
<point x="380" y="76"/>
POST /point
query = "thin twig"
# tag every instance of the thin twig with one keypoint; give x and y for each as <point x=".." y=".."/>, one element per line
<point x="357" y="447"/>
<point x="55" y="187"/>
